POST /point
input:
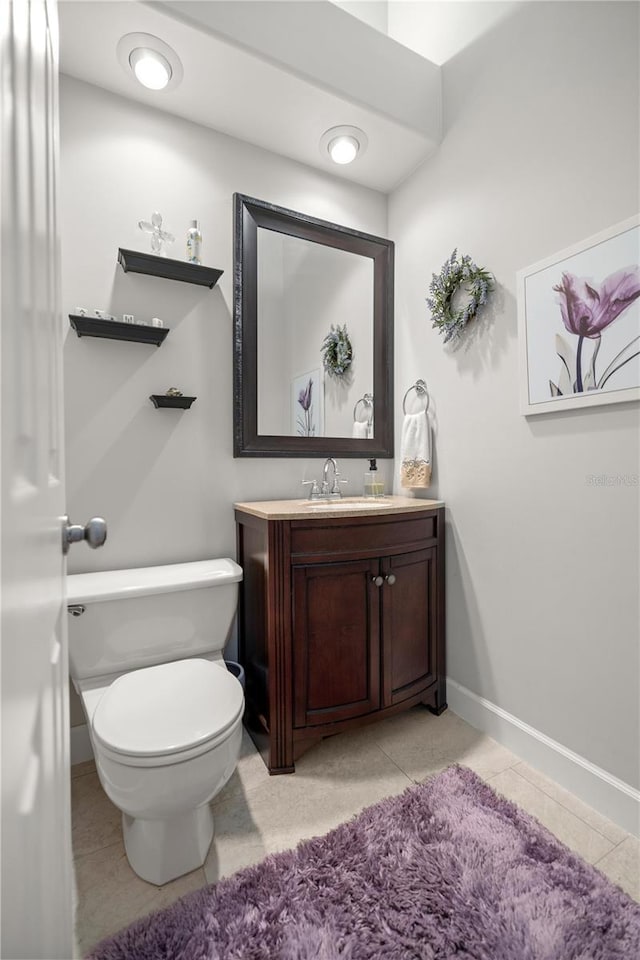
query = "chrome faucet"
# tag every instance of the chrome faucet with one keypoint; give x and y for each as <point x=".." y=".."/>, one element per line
<point x="330" y="462"/>
<point x="326" y="490"/>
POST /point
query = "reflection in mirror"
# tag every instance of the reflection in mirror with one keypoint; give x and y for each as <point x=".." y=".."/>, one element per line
<point x="303" y="289"/>
<point x="297" y="280"/>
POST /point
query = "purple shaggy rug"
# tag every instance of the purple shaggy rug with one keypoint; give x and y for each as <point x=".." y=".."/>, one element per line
<point x="447" y="869"/>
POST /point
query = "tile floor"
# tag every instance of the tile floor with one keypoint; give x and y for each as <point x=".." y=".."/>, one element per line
<point x="257" y="814"/>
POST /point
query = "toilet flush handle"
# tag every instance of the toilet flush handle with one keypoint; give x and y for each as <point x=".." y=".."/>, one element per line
<point x="94" y="532"/>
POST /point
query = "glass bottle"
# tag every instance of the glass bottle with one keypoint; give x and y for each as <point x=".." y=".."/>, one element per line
<point x="194" y="242"/>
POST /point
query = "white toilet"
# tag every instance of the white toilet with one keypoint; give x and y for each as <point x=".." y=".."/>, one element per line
<point x="164" y="713"/>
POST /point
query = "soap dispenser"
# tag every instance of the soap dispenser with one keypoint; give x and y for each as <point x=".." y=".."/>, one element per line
<point x="373" y="485"/>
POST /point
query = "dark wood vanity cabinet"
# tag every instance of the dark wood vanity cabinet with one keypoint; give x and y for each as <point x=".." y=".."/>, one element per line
<point x="341" y="622"/>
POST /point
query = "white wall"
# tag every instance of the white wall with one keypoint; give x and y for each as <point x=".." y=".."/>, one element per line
<point x="540" y="151"/>
<point x="440" y="29"/>
<point x="373" y="12"/>
<point x="166" y="480"/>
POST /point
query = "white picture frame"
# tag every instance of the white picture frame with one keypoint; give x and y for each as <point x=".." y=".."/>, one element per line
<point x="307" y="423"/>
<point x="573" y="291"/>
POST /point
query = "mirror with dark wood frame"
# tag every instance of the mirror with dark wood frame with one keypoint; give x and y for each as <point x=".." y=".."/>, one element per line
<point x="297" y="278"/>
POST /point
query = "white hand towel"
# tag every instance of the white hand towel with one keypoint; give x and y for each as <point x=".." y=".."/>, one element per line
<point x="415" y="451"/>
<point x="360" y="430"/>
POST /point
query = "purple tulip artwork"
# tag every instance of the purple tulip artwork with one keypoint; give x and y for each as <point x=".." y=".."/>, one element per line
<point x="579" y="324"/>
<point x="306" y="403"/>
<point x="586" y="312"/>
<point x="305" y="425"/>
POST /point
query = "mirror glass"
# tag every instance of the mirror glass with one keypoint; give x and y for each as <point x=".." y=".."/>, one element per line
<point x="297" y="282"/>
<point x="303" y="289"/>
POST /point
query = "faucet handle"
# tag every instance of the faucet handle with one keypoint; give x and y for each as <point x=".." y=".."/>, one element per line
<point x="314" y="493"/>
<point x="336" y="480"/>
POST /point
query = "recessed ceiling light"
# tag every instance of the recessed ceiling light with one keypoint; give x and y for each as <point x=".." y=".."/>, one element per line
<point x="343" y="149"/>
<point x="343" y="144"/>
<point x="150" y="68"/>
<point x="150" y="60"/>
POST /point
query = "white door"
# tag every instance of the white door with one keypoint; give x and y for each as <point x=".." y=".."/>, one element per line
<point x="36" y="846"/>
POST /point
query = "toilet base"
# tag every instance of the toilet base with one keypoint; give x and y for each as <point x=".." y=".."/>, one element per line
<point x="161" y="850"/>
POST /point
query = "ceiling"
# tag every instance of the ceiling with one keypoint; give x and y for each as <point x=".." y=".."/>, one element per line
<point x="275" y="74"/>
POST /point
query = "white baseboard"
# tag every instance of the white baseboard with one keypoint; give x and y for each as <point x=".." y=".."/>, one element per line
<point x="607" y="794"/>
<point x="81" y="748"/>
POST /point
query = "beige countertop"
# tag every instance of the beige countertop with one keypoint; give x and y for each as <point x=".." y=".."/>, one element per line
<point x="344" y="507"/>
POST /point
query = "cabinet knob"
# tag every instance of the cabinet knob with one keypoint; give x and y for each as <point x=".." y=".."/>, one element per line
<point x="391" y="579"/>
<point x="377" y="580"/>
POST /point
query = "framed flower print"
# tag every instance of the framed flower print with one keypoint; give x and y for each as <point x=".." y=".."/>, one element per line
<point x="579" y="324"/>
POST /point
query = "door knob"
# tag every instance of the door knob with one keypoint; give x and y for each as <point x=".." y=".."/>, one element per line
<point x="391" y="579"/>
<point x="377" y="580"/>
<point x="94" y="532"/>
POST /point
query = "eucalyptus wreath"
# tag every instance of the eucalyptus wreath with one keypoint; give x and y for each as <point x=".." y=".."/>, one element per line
<point x="337" y="352"/>
<point x="457" y="273"/>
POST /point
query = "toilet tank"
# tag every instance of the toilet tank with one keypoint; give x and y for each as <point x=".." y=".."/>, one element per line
<point x="136" y="618"/>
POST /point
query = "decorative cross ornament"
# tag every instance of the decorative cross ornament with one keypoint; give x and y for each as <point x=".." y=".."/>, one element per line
<point x="158" y="235"/>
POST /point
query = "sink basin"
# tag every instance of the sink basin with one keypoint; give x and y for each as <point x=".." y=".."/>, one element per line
<point x="367" y="504"/>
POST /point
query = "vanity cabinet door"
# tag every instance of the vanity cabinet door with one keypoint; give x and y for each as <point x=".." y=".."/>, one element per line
<point x="336" y="641"/>
<point x="409" y="605"/>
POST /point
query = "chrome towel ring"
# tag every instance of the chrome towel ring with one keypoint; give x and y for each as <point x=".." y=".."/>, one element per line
<point x="420" y="387"/>
<point x="367" y="400"/>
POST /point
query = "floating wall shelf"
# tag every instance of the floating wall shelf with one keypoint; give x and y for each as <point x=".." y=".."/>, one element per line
<point x="162" y="400"/>
<point x="116" y="330"/>
<point x="133" y="261"/>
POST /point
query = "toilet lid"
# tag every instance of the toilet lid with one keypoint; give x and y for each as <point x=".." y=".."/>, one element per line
<point x="168" y="708"/>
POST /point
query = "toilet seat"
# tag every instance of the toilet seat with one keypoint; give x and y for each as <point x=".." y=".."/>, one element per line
<point x="167" y="713"/>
